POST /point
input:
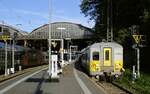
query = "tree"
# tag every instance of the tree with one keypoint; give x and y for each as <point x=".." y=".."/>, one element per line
<point x="125" y="13"/>
<point x="95" y="10"/>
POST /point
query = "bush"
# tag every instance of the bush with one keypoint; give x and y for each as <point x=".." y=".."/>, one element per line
<point x="140" y="86"/>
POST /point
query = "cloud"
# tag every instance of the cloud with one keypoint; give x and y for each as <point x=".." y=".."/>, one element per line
<point x="33" y="13"/>
<point x="57" y="16"/>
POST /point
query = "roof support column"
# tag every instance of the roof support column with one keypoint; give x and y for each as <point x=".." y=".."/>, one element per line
<point x="25" y="43"/>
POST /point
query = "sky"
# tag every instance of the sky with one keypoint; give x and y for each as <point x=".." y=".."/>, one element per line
<point x="28" y="15"/>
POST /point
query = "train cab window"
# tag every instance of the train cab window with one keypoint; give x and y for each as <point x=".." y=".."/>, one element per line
<point x="84" y="56"/>
<point x="95" y="55"/>
<point x="107" y="55"/>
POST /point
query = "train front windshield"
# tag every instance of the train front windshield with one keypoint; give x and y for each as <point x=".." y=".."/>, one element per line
<point x="95" y="55"/>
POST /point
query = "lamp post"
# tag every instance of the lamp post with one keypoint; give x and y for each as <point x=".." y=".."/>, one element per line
<point x="6" y="72"/>
<point x="6" y="53"/>
<point x="13" y="53"/>
<point x="49" y="34"/>
<point x="14" y="36"/>
<point x="62" y="45"/>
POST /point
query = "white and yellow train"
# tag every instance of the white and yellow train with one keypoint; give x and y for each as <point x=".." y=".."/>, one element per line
<point x="104" y="58"/>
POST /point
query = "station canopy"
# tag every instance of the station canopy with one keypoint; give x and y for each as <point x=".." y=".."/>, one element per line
<point x="58" y="30"/>
<point x="61" y="30"/>
<point x="10" y="30"/>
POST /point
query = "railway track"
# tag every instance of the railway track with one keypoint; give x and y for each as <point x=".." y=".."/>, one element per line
<point x="111" y="88"/>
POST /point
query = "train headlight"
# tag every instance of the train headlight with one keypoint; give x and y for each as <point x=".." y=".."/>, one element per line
<point x="97" y="66"/>
<point x="117" y="67"/>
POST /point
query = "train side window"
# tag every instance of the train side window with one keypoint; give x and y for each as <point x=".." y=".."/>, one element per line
<point x="95" y="55"/>
<point x="107" y="55"/>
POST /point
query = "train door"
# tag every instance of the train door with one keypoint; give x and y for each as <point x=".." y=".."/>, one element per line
<point x="107" y="56"/>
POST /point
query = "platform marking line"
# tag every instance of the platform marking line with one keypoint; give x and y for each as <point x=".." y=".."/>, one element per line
<point x="19" y="81"/>
<point x="81" y="83"/>
<point x="26" y="71"/>
<point x="99" y="87"/>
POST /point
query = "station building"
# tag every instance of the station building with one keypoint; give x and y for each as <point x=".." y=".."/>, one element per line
<point x="33" y="46"/>
<point x="71" y="33"/>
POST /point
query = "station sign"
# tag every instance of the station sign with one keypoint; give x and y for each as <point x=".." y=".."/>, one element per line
<point x="137" y="38"/>
<point x="54" y="44"/>
<point x="4" y="37"/>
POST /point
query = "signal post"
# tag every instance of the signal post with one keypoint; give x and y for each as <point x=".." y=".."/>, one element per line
<point x="138" y="44"/>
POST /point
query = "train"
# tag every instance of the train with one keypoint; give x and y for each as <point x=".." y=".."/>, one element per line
<point x="24" y="56"/>
<point x="102" y="59"/>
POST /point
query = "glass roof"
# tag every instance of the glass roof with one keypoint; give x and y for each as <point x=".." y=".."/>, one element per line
<point x="58" y="30"/>
<point x="10" y="31"/>
<point x="62" y="30"/>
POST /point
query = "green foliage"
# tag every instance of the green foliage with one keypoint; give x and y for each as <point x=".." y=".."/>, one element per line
<point x="91" y="8"/>
<point x="96" y="10"/>
<point x="140" y="86"/>
<point x="121" y="35"/>
<point x="125" y="14"/>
